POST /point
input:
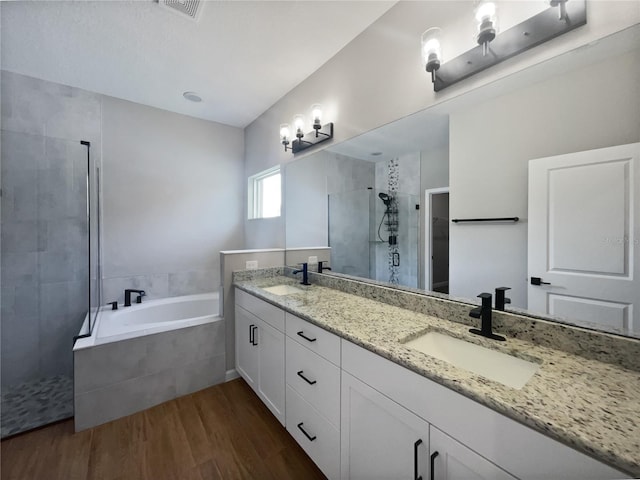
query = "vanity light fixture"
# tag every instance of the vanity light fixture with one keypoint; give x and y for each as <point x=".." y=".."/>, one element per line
<point x="304" y="140"/>
<point x="493" y="48"/>
<point x="432" y="51"/>
<point x="487" y="28"/>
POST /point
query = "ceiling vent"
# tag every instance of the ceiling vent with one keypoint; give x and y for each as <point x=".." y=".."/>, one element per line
<point x="191" y="9"/>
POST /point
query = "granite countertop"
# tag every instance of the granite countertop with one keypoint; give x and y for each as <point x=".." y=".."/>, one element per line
<point x="589" y="405"/>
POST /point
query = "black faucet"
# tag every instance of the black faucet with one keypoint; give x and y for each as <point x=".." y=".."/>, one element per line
<point x="500" y="298"/>
<point x="114" y="305"/>
<point x="127" y="296"/>
<point x="305" y="274"/>
<point x="484" y="313"/>
<point x="321" y="267"/>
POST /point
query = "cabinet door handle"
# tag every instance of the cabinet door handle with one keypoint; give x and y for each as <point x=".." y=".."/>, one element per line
<point x="416" y="473"/>
<point x="251" y="333"/>
<point x="254" y="340"/>
<point x="301" y="333"/>
<point x="310" y="382"/>
<point x="311" y="439"/>
<point x="433" y="465"/>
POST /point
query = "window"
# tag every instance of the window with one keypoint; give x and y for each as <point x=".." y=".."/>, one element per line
<point x="265" y="194"/>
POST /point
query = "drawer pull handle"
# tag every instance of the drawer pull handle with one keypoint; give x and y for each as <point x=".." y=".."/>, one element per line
<point x="301" y="333"/>
<point x="311" y="439"/>
<point x="433" y="465"/>
<point x="416" y="468"/>
<point x="253" y="339"/>
<point x="310" y="382"/>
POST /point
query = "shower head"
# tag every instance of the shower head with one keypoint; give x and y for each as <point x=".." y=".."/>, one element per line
<point x="385" y="198"/>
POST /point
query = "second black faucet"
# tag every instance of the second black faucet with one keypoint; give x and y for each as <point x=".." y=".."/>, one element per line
<point x="127" y="296"/>
<point x="305" y="274"/>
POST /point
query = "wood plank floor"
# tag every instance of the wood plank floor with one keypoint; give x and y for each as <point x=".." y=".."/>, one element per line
<point x="223" y="432"/>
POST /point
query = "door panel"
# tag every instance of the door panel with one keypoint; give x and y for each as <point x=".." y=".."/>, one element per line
<point x="454" y="461"/>
<point x="379" y="436"/>
<point x="271" y="363"/>
<point x="246" y="352"/>
<point x="584" y="212"/>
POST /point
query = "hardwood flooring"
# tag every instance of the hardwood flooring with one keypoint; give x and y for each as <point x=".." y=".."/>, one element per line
<point x="223" y="432"/>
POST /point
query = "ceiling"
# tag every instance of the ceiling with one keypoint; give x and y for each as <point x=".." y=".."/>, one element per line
<point x="240" y="56"/>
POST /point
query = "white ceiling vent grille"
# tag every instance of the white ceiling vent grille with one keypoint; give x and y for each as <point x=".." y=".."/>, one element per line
<point x="191" y="9"/>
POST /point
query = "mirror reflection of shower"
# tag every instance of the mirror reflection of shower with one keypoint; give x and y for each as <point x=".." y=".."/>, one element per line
<point x="390" y="220"/>
<point x="371" y="231"/>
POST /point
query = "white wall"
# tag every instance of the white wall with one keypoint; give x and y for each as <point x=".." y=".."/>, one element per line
<point x="491" y="144"/>
<point x="172" y="186"/>
<point x="378" y="77"/>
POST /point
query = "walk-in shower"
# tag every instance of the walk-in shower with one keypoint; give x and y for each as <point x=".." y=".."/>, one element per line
<point x="372" y="238"/>
<point x="50" y="251"/>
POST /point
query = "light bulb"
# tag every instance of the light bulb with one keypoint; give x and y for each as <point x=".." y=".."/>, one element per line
<point x="432" y="50"/>
<point x="316" y="115"/>
<point x="298" y="125"/>
<point x="487" y="25"/>
<point x="486" y="10"/>
<point x="285" y="132"/>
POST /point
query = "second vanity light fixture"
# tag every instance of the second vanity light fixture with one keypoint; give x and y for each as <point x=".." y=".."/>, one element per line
<point x="304" y="140"/>
<point x="561" y="17"/>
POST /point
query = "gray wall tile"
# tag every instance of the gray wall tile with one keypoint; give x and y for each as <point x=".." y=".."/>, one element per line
<point x="201" y="374"/>
<point x="188" y="283"/>
<point x="111" y="363"/>
<point x="20" y="338"/>
<point x="122" y="399"/>
<point x="155" y="286"/>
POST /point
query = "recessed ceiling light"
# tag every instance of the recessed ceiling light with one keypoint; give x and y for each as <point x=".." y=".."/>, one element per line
<point x="192" y="96"/>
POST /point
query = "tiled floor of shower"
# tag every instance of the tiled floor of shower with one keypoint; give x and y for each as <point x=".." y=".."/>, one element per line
<point x="31" y="405"/>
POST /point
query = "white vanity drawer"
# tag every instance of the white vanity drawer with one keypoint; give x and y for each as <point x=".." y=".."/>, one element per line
<point x="314" y="434"/>
<point x="324" y="343"/>
<point x="315" y="379"/>
<point x="271" y="314"/>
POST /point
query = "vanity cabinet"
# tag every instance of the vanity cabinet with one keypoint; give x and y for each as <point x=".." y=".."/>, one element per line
<point x="451" y="460"/>
<point x="380" y="438"/>
<point x="313" y="392"/>
<point x="361" y="416"/>
<point x="260" y="350"/>
<point x="477" y="438"/>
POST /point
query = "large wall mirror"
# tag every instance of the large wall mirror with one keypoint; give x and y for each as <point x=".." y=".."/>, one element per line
<point x="384" y="201"/>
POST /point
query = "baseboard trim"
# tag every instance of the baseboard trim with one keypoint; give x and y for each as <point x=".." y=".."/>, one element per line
<point x="231" y="375"/>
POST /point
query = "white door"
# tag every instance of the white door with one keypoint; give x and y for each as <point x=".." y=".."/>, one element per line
<point x="246" y="350"/>
<point x="584" y="212"/>
<point x="271" y="377"/>
<point x="380" y="439"/>
<point x="453" y="461"/>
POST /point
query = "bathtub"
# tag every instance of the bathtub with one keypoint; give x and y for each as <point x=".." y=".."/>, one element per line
<point x="146" y="354"/>
<point x="149" y="317"/>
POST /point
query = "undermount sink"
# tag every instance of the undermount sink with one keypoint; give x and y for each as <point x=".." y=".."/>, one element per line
<point x="510" y="371"/>
<point x="283" y="289"/>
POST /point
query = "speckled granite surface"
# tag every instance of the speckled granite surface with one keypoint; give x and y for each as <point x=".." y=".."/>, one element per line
<point x="590" y="405"/>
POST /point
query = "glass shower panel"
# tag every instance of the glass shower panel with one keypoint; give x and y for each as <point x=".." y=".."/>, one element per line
<point x="45" y="276"/>
<point x="349" y="232"/>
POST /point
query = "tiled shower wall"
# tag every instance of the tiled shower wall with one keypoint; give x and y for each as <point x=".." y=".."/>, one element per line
<point x="408" y="222"/>
<point x="45" y="264"/>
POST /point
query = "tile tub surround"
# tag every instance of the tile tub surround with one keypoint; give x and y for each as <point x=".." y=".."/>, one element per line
<point x="117" y="379"/>
<point x="584" y="403"/>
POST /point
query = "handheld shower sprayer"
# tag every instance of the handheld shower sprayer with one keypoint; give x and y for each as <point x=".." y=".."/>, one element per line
<point x="385" y="198"/>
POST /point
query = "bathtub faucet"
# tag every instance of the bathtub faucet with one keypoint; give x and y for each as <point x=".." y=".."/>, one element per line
<point x="127" y="296"/>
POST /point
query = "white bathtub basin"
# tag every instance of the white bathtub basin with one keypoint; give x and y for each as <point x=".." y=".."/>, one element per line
<point x="510" y="371"/>
<point x="283" y="289"/>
